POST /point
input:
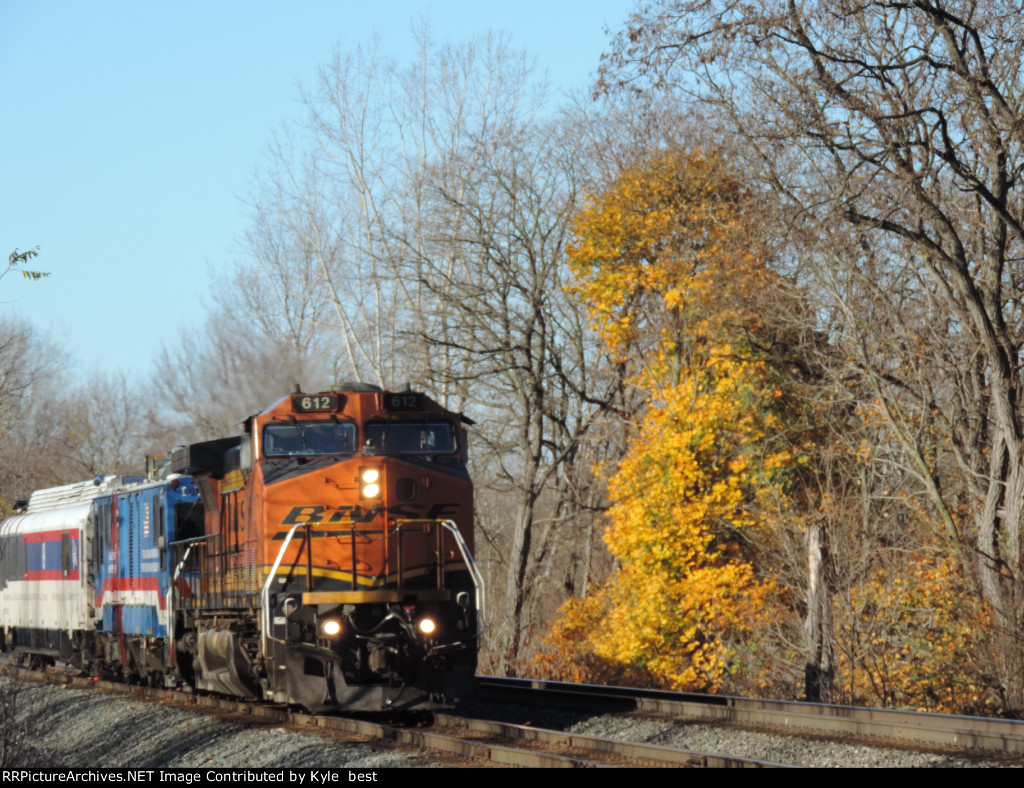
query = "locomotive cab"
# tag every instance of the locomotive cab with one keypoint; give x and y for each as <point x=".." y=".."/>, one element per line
<point x="336" y="569"/>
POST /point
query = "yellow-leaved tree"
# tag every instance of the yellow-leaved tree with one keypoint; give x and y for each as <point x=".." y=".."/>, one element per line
<point x="669" y="265"/>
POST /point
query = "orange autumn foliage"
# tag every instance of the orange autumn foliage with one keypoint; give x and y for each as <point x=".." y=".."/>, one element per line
<point x="665" y="262"/>
<point x="911" y="636"/>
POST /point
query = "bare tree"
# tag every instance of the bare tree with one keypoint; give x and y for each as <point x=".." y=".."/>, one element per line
<point x="32" y="375"/>
<point x="104" y="426"/>
<point x="264" y="333"/>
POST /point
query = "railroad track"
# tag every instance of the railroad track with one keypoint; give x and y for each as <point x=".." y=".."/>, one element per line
<point x="464" y="739"/>
<point x="459" y="738"/>
<point x="941" y="731"/>
<point x="559" y="748"/>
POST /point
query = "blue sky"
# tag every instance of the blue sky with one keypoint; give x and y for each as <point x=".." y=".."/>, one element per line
<point x="131" y="131"/>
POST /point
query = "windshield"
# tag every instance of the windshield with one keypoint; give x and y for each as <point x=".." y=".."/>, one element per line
<point x="308" y="438"/>
<point x="404" y="438"/>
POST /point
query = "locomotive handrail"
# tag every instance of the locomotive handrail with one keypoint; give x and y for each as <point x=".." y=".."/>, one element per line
<point x="172" y="611"/>
<point x="448" y="525"/>
<point x="202" y="538"/>
<point x="474" y="573"/>
<point x="265" y="593"/>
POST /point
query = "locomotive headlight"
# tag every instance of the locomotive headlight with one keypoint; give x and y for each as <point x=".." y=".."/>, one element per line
<point x="369" y="482"/>
<point x="427" y="626"/>
<point x="330" y="627"/>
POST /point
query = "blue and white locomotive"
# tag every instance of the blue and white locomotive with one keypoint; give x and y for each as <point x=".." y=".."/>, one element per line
<point x="86" y="575"/>
<point x="135" y="582"/>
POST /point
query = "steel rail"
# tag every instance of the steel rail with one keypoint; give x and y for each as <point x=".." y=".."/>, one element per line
<point x="919" y="728"/>
<point x="594" y="746"/>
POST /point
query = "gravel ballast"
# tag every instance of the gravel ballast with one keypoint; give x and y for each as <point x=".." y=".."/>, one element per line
<point x="84" y="728"/>
<point x="778" y="748"/>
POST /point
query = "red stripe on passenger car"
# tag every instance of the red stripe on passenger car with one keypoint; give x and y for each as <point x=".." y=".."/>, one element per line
<point x="49" y="536"/>
<point x="50" y="574"/>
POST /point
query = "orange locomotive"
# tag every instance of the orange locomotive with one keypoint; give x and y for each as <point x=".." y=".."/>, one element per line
<point x="335" y="570"/>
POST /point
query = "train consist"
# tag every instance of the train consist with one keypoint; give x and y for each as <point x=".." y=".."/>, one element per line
<point x="323" y="559"/>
